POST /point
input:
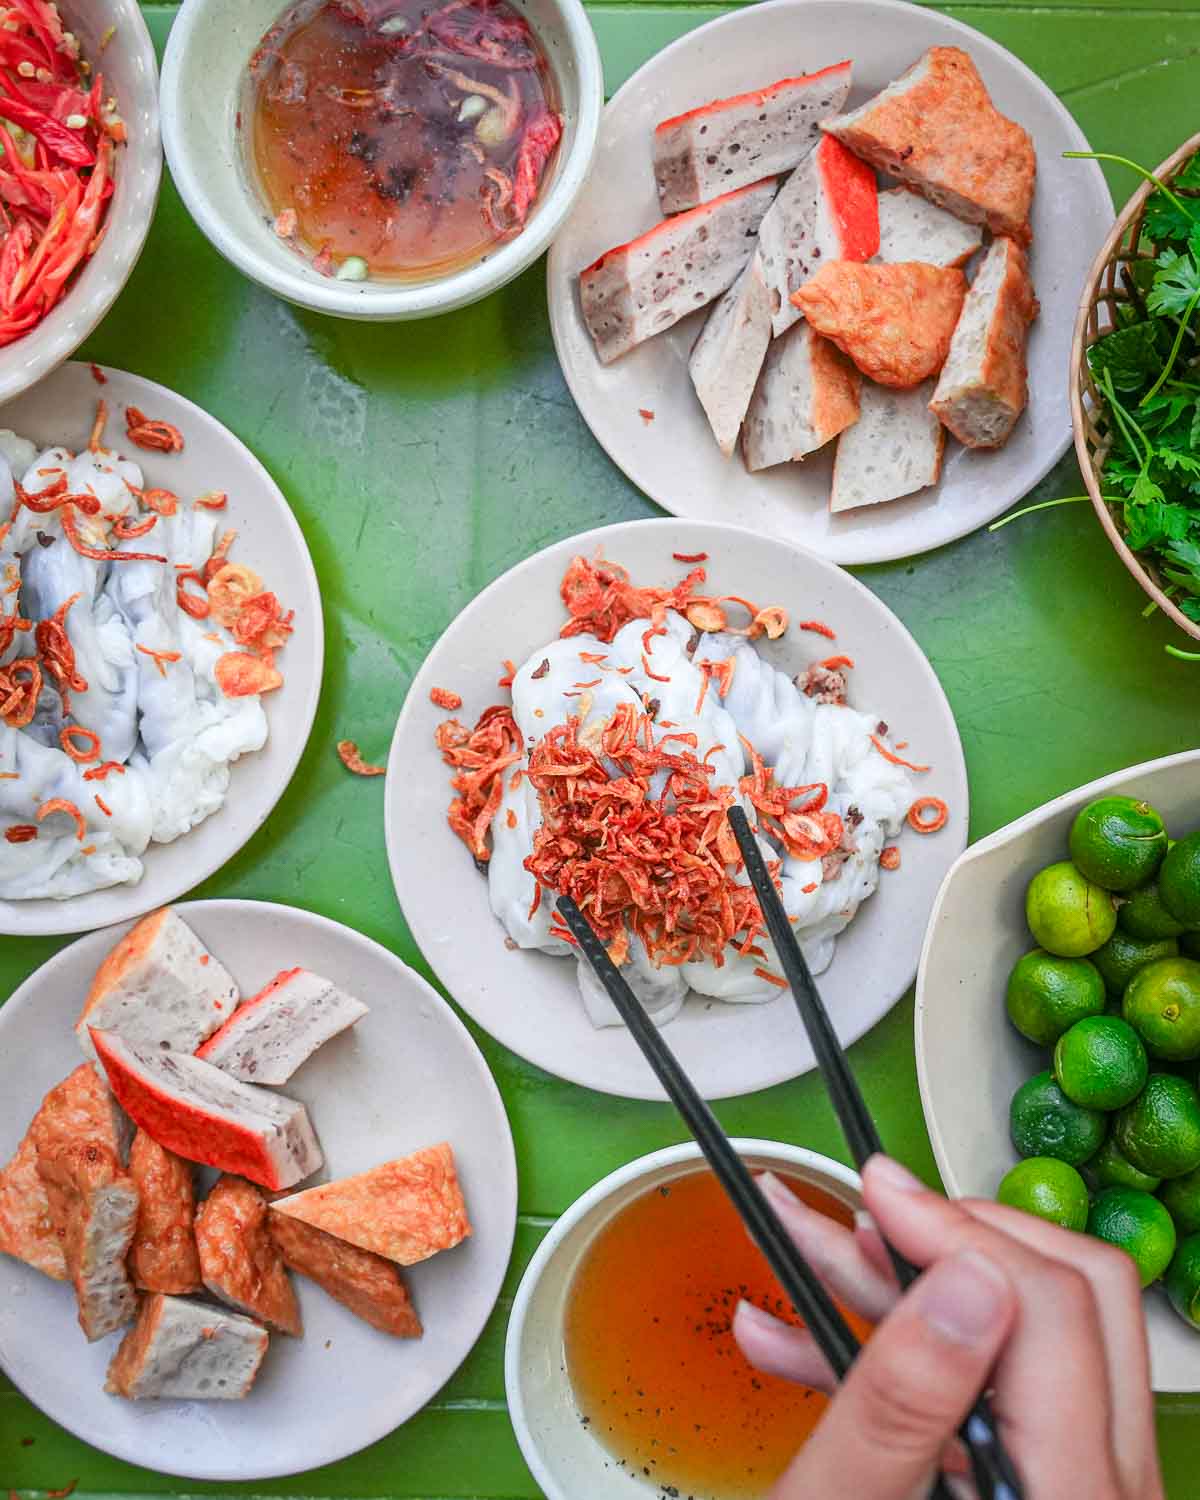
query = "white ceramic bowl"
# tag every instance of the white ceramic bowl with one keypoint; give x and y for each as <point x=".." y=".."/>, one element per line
<point x="566" y="1460"/>
<point x="970" y="1061"/>
<point x="131" y="76"/>
<point x="210" y="44"/>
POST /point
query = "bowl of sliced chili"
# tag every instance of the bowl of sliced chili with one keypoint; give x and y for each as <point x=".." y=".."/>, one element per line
<point x="80" y="165"/>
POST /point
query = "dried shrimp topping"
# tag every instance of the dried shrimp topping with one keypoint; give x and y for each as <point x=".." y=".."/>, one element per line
<point x="444" y="698"/>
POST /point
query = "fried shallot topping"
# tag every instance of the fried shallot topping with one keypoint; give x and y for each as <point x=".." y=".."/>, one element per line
<point x="480" y="757"/>
<point x="351" y="757"/>
<point x="159" y="437"/>
<point x="662" y="867"/>
<point x="806" y="832"/>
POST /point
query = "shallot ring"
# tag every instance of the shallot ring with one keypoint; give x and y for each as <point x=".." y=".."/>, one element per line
<point x="61" y="805"/>
<point x="927" y="825"/>
<point x="71" y="732"/>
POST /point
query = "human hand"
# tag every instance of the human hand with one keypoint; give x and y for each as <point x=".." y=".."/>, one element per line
<point x="1051" y="1321"/>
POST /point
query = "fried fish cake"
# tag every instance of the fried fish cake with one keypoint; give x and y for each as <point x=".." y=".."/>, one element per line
<point x="894" y="321"/>
<point x="371" y="1287"/>
<point x="163" y="1255"/>
<point x="937" y="130"/>
<point x="238" y="1258"/>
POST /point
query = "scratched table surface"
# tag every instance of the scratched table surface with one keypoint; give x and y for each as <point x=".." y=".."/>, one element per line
<point x="425" y="459"/>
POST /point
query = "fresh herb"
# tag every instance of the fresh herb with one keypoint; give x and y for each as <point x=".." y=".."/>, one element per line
<point x="1147" y="372"/>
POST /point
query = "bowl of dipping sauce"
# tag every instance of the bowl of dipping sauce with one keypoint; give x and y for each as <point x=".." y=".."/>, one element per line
<point x="381" y="159"/>
<point x="621" y="1370"/>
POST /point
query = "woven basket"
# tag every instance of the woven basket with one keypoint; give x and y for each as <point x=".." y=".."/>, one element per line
<point x="1096" y="318"/>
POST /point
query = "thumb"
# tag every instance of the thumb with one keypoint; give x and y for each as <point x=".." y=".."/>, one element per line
<point x="910" y="1388"/>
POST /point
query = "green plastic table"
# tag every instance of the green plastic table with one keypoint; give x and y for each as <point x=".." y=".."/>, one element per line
<point x="425" y="459"/>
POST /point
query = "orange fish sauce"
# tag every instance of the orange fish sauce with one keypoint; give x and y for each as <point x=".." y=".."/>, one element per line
<point x="399" y="139"/>
<point x="656" y="1374"/>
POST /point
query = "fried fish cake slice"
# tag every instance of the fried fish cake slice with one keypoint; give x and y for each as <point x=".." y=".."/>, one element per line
<point x="27" y="1227"/>
<point x="371" y="1287"/>
<point x="405" y="1210"/>
<point x="78" y="1134"/>
<point x="163" y="1256"/>
<point x="936" y="129"/>
<point x="238" y="1259"/>
<point x="187" y="1351"/>
<point x="894" y="321"/>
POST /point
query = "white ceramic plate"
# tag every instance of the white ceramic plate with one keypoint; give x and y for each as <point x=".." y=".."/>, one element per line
<point x="674" y="458"/>
<point x="529" y="1001"/>
<point x="564" y="1455"/>
<point x="970" y="1061"/>
<point x="408" y="1075"/>
<point x="60" y="410"/>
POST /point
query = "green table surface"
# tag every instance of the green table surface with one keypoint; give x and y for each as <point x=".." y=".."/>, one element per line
<point x="425" y="459"/>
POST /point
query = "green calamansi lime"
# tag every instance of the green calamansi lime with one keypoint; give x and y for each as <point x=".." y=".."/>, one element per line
<point x="1189" y="944"/>
<point x="1067" y="914"/>
<point x="1182" y="1197"/>
<point x="1182" y="1280"/>
<point x="1138" y="1223"/>
<point x="1123" y="955"/>
<point x="1179" y="880"/>
<point x="1100" y="1063"/>
<point x="1044" y="1122"/>
<point x="1144" y="915"/>
<point x="1046" y="995"/>
<point x="1110" y="1167"/>
<point x="1160" y="1131"/>
<point x="1162" y="1004"/>
<point x="1118" y="842"/>
<point x="1049" y="1188"/>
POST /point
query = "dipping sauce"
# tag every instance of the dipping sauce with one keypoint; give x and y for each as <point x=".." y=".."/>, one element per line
<point x="651" y="1356"/>
<point x="398" y="139"/>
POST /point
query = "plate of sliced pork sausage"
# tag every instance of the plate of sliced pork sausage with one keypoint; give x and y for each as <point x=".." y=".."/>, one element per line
<point x="253" y="1163"/>
<point x="820" y="281"/>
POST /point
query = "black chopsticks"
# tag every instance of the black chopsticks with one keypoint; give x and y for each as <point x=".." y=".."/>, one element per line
<point x="994" y="1473"/>
<point x="797" y="1278"/>
<point x="803" y="1288"/>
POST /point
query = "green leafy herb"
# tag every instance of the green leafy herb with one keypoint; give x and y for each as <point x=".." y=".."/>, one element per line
<point x="1147" y="370"/>
<point x="1130" y="354"/>
<point x="1176" y="285"/>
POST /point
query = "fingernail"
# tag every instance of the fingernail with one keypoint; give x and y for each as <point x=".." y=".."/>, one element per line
<point x="777" y="1193"/>
<point x="964" y="1297"/>
<point x="889" y="1172"/>
<point x="747" y="1314"/>
<point x="864" y="1223"/>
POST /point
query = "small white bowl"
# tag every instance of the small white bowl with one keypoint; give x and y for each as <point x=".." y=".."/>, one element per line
<point x="131" y="77"/>
<point x="563" y="1456"/>
<point x="204" y="65"/>
<point x="970" y="1061"/>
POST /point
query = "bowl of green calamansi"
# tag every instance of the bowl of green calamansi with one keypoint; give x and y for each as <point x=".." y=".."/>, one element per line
<point x="1058" y="1030"/>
